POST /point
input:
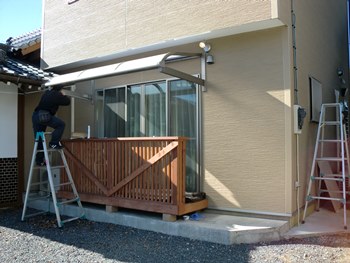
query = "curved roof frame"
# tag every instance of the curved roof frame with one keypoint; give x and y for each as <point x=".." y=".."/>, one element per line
<point x="147" y="63"/>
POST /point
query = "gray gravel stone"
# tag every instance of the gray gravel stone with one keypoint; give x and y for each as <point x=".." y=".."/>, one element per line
<point x="39" y="240"/>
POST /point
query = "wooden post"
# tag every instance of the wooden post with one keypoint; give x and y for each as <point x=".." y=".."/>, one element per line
<point x="111" y="209"/>
<point x="169" y="218"/>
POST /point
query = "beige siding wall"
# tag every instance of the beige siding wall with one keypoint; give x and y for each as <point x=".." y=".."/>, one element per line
<point x="87" y="29"/>
<point x="244" y="124"/>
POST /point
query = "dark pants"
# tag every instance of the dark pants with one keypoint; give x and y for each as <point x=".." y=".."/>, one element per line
<point x="57" y="124"/>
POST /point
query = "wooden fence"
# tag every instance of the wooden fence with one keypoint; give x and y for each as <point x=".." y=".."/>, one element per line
<point x="138" y="173"/>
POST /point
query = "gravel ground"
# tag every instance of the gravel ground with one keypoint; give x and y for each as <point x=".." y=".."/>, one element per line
<point x="39" y="240"/>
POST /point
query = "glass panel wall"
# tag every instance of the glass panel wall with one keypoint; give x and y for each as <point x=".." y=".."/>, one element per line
<point x="183" y="122"/>
<point x="134" y="111"/>
<point x="99" y="131"/>
<point x="114" y="112"/>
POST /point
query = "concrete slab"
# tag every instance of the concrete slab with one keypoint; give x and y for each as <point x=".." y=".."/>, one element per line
<point x="321" y="223"/>
<point x="211" y="227"/>
<point x="217" y="228"/>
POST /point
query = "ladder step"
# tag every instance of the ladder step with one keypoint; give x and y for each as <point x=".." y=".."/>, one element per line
<point x="36" y="214"/>
<point x="49" y="150"/>
<point x="71" y="219"/>
<point x="39" y="183"/>
<point x="330" y="123"/>
<point x="328" y="178"/>
<point x="39" y="198"/>
<point x="63" y="184"/>
<point x="331" y="159"/>
<point x="329" y="140"/>
<point x="57" y="166"/>
<point x="329" y="191"/>
<point x="68" y="201"/>
<point x="52" y="167"/>
<point x="325" y="198"/>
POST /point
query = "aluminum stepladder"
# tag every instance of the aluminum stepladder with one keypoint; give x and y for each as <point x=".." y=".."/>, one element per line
<point x="330" y="133"/>
<point x="52" y="187"/>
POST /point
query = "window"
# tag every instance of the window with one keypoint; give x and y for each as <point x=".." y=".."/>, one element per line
<point x="315" y="99"/>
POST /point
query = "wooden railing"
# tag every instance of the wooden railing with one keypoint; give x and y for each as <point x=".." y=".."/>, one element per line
<point x="138" y="173"/>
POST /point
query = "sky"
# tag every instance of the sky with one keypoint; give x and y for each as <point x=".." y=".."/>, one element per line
<point x="18" y="17"/>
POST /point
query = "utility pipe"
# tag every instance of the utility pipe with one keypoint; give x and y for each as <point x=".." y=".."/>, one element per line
<point x="296" y="102"/>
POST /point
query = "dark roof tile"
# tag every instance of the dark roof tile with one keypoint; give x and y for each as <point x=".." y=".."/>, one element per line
<point x="12" y="66"/>
<point x="25" y="40"/>
<point x="17" y="68"/>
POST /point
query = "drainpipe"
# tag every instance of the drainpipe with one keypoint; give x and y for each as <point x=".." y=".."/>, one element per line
<point x="200" y="128"/>
<point x="295" y="69"/>
<point x="296" y="102"/>
<point x="72" y="113"/>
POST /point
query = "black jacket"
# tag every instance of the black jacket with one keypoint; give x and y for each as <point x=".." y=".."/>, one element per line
<point x="51" y="100"/>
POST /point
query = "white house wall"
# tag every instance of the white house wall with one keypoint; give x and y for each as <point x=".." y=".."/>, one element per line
<point x="8" y="120"/>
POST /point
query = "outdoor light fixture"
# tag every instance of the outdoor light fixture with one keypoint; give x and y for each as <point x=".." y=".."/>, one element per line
<point x="340" y="72"/>
<point x="209" y="59"/>
<point x="205" y="46"/>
